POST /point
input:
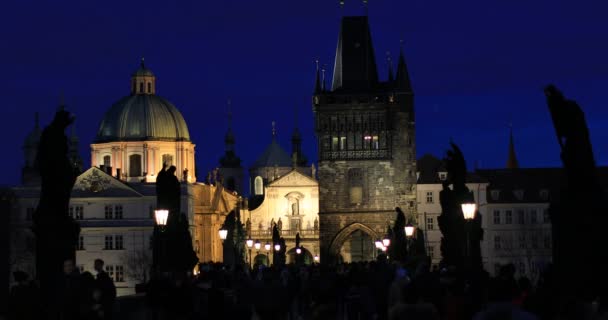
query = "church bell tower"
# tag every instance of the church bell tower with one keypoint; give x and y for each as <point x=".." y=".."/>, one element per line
<point x="366" y="142"/>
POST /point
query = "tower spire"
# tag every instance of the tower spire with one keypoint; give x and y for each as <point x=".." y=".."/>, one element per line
<point x="512" y="159"/>
<point x="274" y="130"/>
<point x="403" y="77"/>
<point x="318" y="87"/>
<point x="323" y="78"/>
<point x="389" y="61"/>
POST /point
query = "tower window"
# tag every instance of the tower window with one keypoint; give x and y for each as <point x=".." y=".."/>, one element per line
<point x="135" y="165"/>
<point x="355" y="183"/>
<point x="258" y="186"/>
<point x="141" y="87"/>
<point x="107" y="161"/>
<point x="149" y="87"/>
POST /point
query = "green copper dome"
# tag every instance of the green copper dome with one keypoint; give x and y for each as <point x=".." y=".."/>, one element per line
<point x="143" y="117"/>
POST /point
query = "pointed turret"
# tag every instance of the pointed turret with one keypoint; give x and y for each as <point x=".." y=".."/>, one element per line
<point x="512" y="160"/>
<point x="230" y="159"/>
<point x="389" y="61"/>
<point x="143" y="80"/>
<point x="403" y="77"/>
<point x="355" y="65"/>
<point x="73" y="153"/>
<point x="318" y="88"/>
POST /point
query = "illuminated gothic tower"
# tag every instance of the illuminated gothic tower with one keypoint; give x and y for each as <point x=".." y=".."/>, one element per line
<point x="366" y="143"/>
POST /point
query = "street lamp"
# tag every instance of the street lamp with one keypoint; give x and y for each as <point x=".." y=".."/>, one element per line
<point x="409" y="231"/>
<point x="161" y="215"/>
<point x="298" y="250"/>
<point x="277" y="247"/>
<point x="386" y="242"/>
<point x="316" y="258"/>
<point x="267" y="247"/>
<point x="223" y="234"/>
<point x="257" y="245"/>
<point x="378" y="244"/>
<point x="468" y="211"/>
<point x="249" y="243"/>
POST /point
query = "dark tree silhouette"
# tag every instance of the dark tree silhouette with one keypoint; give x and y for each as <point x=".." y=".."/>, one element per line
<point x="451" y="221"/>
<point x="397" y="251"/>
<point x="578" y="216"/>
<point x="56" y="232"/>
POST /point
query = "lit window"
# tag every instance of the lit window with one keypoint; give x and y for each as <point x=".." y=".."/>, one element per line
<point x="258" y="185"/>
<point x="376" y="145"/>
<point x="497" y="244"/>
<point x="443" y="176"/>
<point x="342" y="143"/>
<point x="118" y="242"/>
<point x="429" y="197"/>
<point x="334" y="143"/>
<point x="429" y="223"/>
<point x="108" y="244"/>
<point x="355" y="182"/>
<point x="496" y="217"/>
<point x="120" y="274"/>
<point x="508" y="217"/>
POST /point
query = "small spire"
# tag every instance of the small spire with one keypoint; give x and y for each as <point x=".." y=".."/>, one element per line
<point x="512" y="159"/>
<point x="274" y="130"/>
<point x="403" y="78"/>
<point x="323" y="78"/>
<point x="389" y="61"/>
<point x="318" y="87"/>
<point x="142" y="64"/>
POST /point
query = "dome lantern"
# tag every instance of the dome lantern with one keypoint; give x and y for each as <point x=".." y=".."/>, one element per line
<point x="143" y="81"/>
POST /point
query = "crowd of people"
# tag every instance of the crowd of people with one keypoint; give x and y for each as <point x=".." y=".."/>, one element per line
<point x="81" y="295"/>
<point x="365" y="290"/>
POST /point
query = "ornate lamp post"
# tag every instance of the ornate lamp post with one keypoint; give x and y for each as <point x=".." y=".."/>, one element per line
<point x="409" y="233"/>
<point x="267" y="247"/>
<point x="316" y="258"/>
<point x="386" y="241"/>
<point x="223" y="234"/>
<point x="249" y="243"/>
<point x="298" y="250"/>
<point x="160" y="216"/>
<point x="468" y="211"/>
<point x="160" y="249"/>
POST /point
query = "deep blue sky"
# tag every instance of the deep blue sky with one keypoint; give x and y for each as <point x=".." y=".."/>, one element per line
<point x="475" y="66"/>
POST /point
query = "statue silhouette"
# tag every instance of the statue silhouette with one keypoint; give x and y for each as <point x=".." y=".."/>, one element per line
<point x="56" y="232"/>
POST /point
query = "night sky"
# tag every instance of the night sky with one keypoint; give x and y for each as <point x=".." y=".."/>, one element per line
<point x="475" y="65"/>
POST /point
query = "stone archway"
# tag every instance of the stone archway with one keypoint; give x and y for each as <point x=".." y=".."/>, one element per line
<point x="344" y="234"/>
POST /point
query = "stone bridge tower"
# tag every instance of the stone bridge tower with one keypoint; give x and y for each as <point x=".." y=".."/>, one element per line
<point x="366" y="142"/>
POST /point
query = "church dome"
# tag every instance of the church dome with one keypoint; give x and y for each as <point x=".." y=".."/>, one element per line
<point x="143" y="115"/>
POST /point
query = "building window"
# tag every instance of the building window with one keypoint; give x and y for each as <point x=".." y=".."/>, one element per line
<point x="496" y="217"/>
<point x="76" y="212"/>
<point x="29" y="213"/>
<point x="258" y="186"/>
<point x="443" y="176"/>
<point x="196" y="246"/>
<point x="544" y="194"/>
<point x="508" y="217"/>
<point x="342" y="143"/>
<point x="494" y="194"/>
<point x="375" y="144"/>
<point x="149" y="87"/>
<point x="118" y="242"/>
<point x="533" y="217"/>
<point x="110" y="270"/>
<point x="522" y="241"/>
<point x="497" y="244"/>
<point x="334" y="143"/>
<point x="107" y="161"/>
<point x="120" y="274"/>
<point x="167" y="160"/>
<point x="109" y="212"/>
<point x="355" y="183"/>
<point x="135" y="165"/>
<point x="429" y="197"/>
<point x="429" y="223"/>
<point x="547" y="241"/>
<point x="546" y="216"/>
<point x="108" y="244"/>
<point x="521" y="217"/>
<point x="118" y="211"/>
<point x="431" y="251"/>
<point x="519" y="194"/>
<point x="80" y="245"/>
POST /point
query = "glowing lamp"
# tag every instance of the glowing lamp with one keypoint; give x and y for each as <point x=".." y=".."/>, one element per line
<point x="386" y="242"/>
<point x="468" y="210"/>
<point x="378" y="244"/>
<point x="161" y="216"/>
<point x="298" y="250"/>
<point x="409" y="230"/>
<point x="316" y="258"/>
<point x="257" y="245"/>
<point x="267" y="246"/>
<point x="223" y="234"/>
<point x="277" y="247"/>
<point x="249" y="243"/>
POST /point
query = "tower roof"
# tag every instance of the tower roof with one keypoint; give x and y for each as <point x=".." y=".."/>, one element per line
<point x="403" y="77"/>
<point x="512" y="159"/>
<point x="355" y="65"/>
<point x="273" y="155"/>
